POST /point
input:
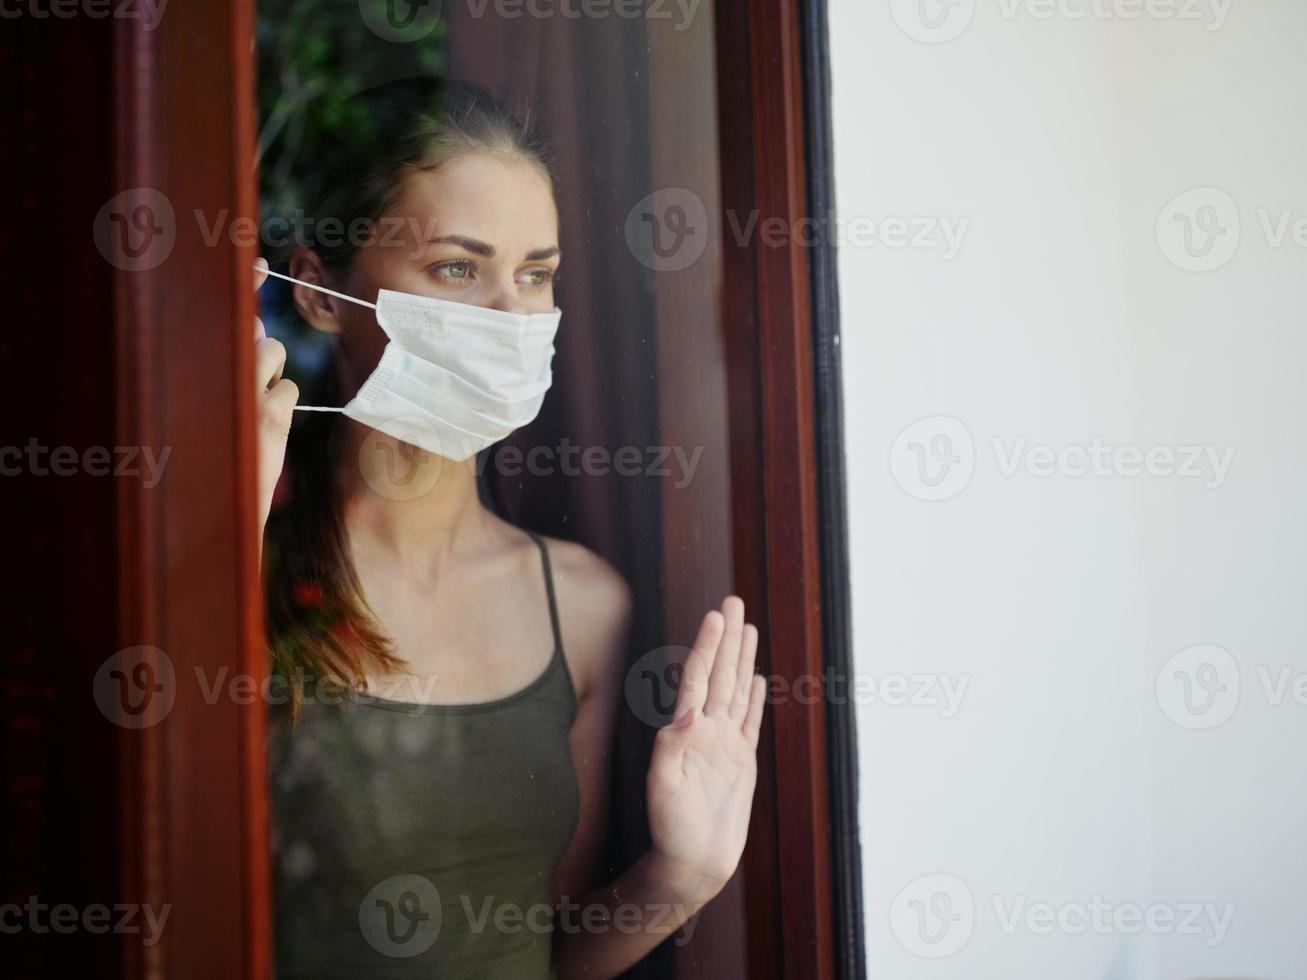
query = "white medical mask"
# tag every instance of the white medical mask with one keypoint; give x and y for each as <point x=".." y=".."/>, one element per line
<point x="453" y="378"/>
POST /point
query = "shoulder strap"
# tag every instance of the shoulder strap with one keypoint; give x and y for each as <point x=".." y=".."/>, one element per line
<point x="549" y="588"/>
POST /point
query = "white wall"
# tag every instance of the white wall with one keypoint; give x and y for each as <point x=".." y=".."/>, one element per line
<point x="1073" y="772"/>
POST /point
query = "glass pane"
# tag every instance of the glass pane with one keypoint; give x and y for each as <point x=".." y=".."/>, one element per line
<point x="459" y="809"/>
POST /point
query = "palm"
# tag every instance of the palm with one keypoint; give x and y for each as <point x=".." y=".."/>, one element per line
<point x="703" y="771"/>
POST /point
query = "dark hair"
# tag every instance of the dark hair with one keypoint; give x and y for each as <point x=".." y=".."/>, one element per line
<point x="319" y="628"/>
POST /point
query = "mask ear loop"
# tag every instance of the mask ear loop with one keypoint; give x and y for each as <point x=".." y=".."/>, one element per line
<point x="329" y="292"/>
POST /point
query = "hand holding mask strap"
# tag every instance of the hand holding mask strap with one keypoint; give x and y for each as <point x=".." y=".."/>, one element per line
<point x="329" y="292"/>
<point x="454" y="378"/>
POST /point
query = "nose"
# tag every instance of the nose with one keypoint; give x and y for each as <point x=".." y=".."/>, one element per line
<point x="505" y="297"/>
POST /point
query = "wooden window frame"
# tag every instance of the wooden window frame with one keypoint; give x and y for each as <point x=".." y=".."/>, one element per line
<point x="194" y="798"/>
<point x="194" y="809"/>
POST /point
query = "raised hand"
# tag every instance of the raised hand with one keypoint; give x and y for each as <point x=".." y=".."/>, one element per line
<point x="704" y="766"/>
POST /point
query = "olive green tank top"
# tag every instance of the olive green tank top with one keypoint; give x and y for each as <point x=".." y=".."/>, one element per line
<point x="416" y="840"/>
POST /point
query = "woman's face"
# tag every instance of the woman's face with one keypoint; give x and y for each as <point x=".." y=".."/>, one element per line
<point x="482" y="229"/>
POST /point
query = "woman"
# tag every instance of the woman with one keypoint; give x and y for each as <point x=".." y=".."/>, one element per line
<point x="439" y="782"/>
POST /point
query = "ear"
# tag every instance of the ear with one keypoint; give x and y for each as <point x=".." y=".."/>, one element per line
<point x="319" y="310"/>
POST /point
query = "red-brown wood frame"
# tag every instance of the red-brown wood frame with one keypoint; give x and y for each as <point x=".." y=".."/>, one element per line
<point x="194" y="794"/>
<point x="790" y="507"/>
<point x="767" y="319"/>
<point x="789" y="487"/>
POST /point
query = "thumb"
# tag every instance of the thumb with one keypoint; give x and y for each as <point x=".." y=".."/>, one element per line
<point x="672" y="740"/>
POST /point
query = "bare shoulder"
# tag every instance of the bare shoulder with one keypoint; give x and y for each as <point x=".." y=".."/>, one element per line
<point x="594" y="609"/>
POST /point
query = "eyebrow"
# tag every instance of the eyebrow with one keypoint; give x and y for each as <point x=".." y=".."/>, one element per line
<point x="478" y="247"/>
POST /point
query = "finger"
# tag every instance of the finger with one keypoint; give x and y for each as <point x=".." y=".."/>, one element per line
<point x="698" y="666"/>
<point x="260" y="277"/>
<point x="721" y="685"/>
<point x="283" y="396"/>
<point x="753" y="719"/>
<point x="744" y="672"/>
<point x="269" y="362"/>
<point x="665" y="767"/>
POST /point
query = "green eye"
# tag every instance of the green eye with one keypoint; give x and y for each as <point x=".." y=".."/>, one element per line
<point x="463" y="270"/>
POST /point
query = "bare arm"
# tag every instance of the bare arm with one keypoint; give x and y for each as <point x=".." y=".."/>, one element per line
<point x="700" y="791"/>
